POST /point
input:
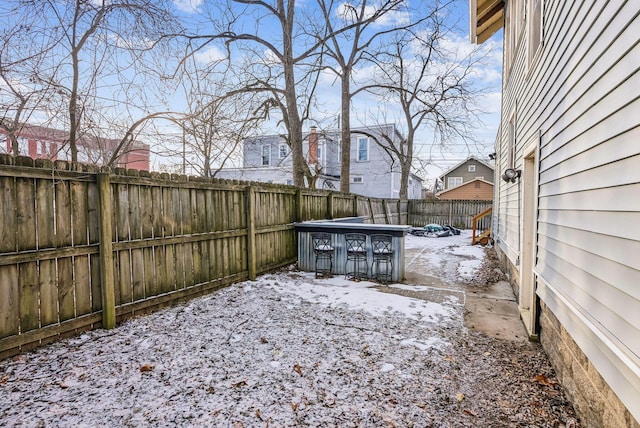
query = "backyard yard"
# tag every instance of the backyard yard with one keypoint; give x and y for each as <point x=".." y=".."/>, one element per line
<point x="292" y="350"/>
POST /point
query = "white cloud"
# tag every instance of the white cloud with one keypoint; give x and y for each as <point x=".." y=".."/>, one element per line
<point x="349" y="11"/>
<point x="209" y="55"/>
<point x="189" y="6"/>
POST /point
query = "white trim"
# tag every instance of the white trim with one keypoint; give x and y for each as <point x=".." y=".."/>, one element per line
<point x="286" y="150"/>
<point x="450" y="186"/>
<point x="262" y="157"/>
<point x="358" y="140"/>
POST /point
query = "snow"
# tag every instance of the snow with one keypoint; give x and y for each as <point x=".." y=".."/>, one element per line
<point x="284" y="350"/>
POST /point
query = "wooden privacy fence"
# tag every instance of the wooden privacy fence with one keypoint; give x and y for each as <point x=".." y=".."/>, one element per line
<point x="455" y="213"/>
<point x="81" y="248"/>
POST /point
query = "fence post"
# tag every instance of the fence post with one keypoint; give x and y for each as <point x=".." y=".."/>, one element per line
<point x="251" y="233"/>
<point x="330" y="205"/>
<point x="298" y="205"/>
<point x="106" y="252"/>
<point x="355" y="205"/>
<point x="385" y="210"/>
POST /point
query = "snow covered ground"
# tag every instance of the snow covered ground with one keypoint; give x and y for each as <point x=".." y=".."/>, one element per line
<point x="285" y="350"/>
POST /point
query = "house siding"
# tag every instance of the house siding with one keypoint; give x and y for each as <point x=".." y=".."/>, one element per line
<point x="380" y="179"/>
<point x="580" y="101"/>
<point x="463" y="171"/>
<point x="469" y="191"/>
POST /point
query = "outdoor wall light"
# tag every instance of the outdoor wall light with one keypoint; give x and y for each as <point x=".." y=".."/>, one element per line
<point x="510" y="175"/>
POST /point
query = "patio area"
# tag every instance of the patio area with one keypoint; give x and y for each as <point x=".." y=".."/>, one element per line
<point x="292" y="350"/>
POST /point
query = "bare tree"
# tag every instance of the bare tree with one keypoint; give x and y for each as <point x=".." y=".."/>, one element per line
<point x="354" y="34"/>
<point x="99" y="51"/>
<point x="432" y="84"/>
<point x="267" y="36"/>
<point x="21" y="92"/>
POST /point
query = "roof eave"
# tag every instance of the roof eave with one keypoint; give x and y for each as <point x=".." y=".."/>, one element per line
<point x="486" y="17"/>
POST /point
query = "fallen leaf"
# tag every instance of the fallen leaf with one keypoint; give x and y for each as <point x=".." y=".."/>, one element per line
<point x="238" y="425"/>
<point x="487" y="354"/>
<point x="147" y="367"/>
<point x="264" y="340"/>
<point x="469" y="412"/>
<point x="543" y="380"/>
<point x="63" y="385"/>
<point x="4" y="379"/>
<point x="258" y="414"/>
<point x="239" y="384"/>
<point x="449" y="358"/>
<point x="297" y="369"/>
<point x="460" y="396"/>
<point x="294" y="406"/>
<point x="210" y="390"/>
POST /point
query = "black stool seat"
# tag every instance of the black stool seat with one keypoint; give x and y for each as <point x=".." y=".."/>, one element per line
<point x="382" y="250"/>
<point x="323" y="250"/>
<point x="356" y="246"/>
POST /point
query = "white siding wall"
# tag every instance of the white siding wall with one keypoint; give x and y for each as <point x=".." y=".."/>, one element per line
<point x="583" y="95"/>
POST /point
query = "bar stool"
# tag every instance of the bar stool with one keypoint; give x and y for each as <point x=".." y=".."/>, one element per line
<point x="382" y="257"/>
<point x="323" y="251"/>
<point x="356" y="253"/>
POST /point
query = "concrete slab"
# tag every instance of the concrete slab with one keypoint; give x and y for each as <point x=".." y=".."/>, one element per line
<point x="493" y="310"/>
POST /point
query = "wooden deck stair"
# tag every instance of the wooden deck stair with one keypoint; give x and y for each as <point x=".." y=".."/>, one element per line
<point x="484" y="236"/>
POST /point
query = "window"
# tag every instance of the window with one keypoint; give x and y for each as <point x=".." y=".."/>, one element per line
<point x="357" y="179"/>
<point x="266" y="154"/>
<point x="453" y="182"/>
<point x="283" y="151"/>
<point x="320" y="153"/>
<point x="513" y="26"/>
<point x="363" y="149"/>
<point x="481" y="178"/>
<point x="535" y="28"/>
<point x="23" y="146"/>
<point x="472" y="168"/>
<point x="290" y="182"/>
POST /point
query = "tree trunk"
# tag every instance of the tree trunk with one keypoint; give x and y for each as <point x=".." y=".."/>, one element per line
<point x="295" y="124"/>
<point x="345" y="134"/>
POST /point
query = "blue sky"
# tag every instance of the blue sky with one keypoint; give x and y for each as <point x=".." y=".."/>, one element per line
<point x="364" y="107"/>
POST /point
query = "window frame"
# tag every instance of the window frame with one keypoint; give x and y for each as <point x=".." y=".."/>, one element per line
<point x="357" y="179"/>
<point x="282" y="154"/>
<point x="268" y="155"/>
<point x="471" y="168"/>
<point x="535" y="18"/>
<point x="449" y="180"/>
<point x="361" y="140"/>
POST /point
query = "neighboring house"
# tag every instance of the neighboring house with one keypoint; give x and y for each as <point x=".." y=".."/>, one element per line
<point x="466" y="171"/>
<point x="567" y="212"/>
<point x="475" y="189"/>
<point x="372" y="173"/>
<point x="39" y="142"/>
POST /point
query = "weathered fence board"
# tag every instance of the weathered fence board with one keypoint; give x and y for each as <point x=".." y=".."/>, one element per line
<point x="78" y="246"/>
<point x="455" y="213"/>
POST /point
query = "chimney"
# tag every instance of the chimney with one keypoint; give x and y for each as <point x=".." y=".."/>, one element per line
<point x="313" y="146"/>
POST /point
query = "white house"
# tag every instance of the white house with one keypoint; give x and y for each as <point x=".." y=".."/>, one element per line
<point x="372" y="171"/>
<point x="567" y="210"/>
